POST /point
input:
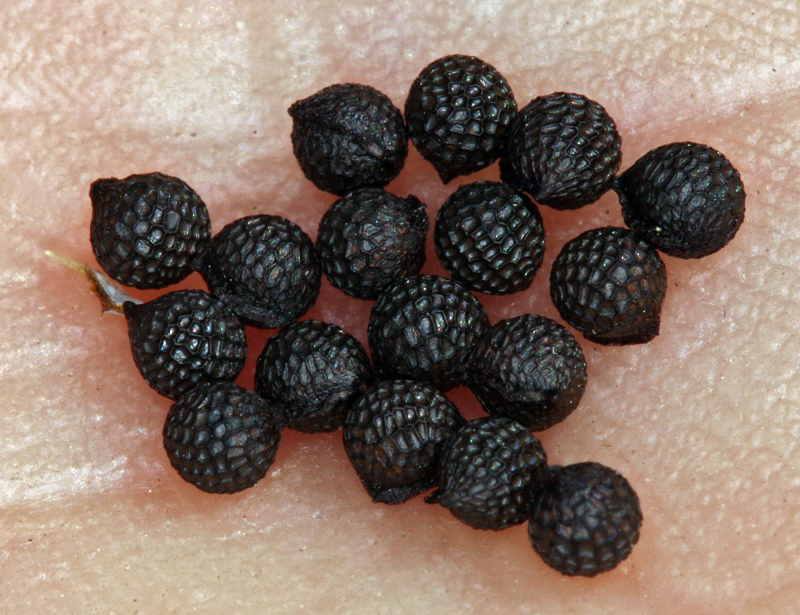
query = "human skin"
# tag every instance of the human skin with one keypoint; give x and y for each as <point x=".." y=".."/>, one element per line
<point x="703" y="421"/>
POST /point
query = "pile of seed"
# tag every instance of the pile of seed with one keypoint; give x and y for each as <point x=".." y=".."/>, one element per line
<point x="426" y="334"/>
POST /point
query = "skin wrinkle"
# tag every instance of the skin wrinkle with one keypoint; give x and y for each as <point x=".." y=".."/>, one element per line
<point x="702" y="421"/>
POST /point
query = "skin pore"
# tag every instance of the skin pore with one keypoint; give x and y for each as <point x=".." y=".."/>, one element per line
<point x="702" y="421"/>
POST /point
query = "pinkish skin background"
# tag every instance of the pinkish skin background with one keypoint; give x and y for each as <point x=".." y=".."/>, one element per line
<point x="703" y="421"/>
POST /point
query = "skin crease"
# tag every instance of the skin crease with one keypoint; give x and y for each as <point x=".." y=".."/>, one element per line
<point x="703" y="421"/>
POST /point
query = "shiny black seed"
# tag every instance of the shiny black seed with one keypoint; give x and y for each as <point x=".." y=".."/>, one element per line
<point x="265" y="268"/>
<point x="370" y="238"/>
<point x="563" y="149"/>
<point x="222" y="438"/>
<point x="485" y="473"/>
<point x="315" y="371"/>
<point x="147" y="230"/>
<point x="490" y="238"/>
<point x="585" y="518"/>
<point x="347" y="137"/>
<point x="458" y="110"/>
<point x="423" y="328"/>
<point x="184" y="338"/>
<point x="529" y="369"/>
<point x="684" y="198"/>
<point x="393" y="437"/>
<point x="610" y="284"/>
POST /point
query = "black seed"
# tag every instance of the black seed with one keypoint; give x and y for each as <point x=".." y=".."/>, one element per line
<point x="485" y="472"/>
<point x="585" y="518"/>
<point x="265" y="268"/>
<point x="529" y="369"/>
<point x="423" y="328"/>
<point x="458" y="110"/>
<point x="490" y="238"/>
<point x="393" y="437"/>
<point x="370" y="238"/>
<point x="315" y="371"/>
<point x="184" y="338"/>
<point x="147" y="230"/>
<point x="222" y="438"/>
<point x="349" y="136"/>
<point x="563" y="149"/>
<point x="610" y="285"/>
<point x="684" y="198"/>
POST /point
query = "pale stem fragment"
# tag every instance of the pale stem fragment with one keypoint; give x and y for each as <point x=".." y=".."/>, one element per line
<point x="111" y="296"/>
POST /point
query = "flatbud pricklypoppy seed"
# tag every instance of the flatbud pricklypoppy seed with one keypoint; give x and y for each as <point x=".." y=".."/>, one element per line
<point x="585" y="518"/>
<point x="349" y="136"/>
<point x="610" y="284"/>
<point x="148" y="231"/>
<point x="684" y="198"/>
<point x="458" y="111"/>
<point x="562" y="149"/>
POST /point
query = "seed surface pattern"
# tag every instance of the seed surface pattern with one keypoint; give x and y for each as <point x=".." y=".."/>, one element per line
<point x="563" y="149"/>
<point x="393" y="436"/>
<point x="147" y="231"/>
<point x="222" y="438"/>
<point x="490" y="238"/>
<point x="458" y="110"/>
<point x="684" y="198"/>
<point x="315" y="371"/>
<point x="265" y="268"/>
<point x="370" y="238"/>
<point x="585" y="518"/>
<point x="610" y="285"/>
<point x="349" y="136"/>
<point x="485" y="473"/>
<point x="529" y="369"/>
<point x="423" y="328"/>
<point x="183" y="338"/>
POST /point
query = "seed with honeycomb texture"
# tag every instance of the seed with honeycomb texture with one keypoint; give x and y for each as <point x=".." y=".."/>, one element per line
<point x="424" y="328"/>
<point x="183" y="338"/>
<point x="530" y="369"/>
<point x="485" y="473"/>
<point x="370" y="238"/>
<point x="585" y="518"/>
<point x="222" y="438"/>
<point x="315" y="371"/>
<point x="458" y="111"/>
<point x="393" y="436"/>
<point x="562" y="149"/>
<point x="149" y="230"/>
<point x="349" y="136"/>
<point x="490" y="238"/>
<point x="684" y="198"/>
<point x="265" y="268"/>
<point x="610" y="284"/>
